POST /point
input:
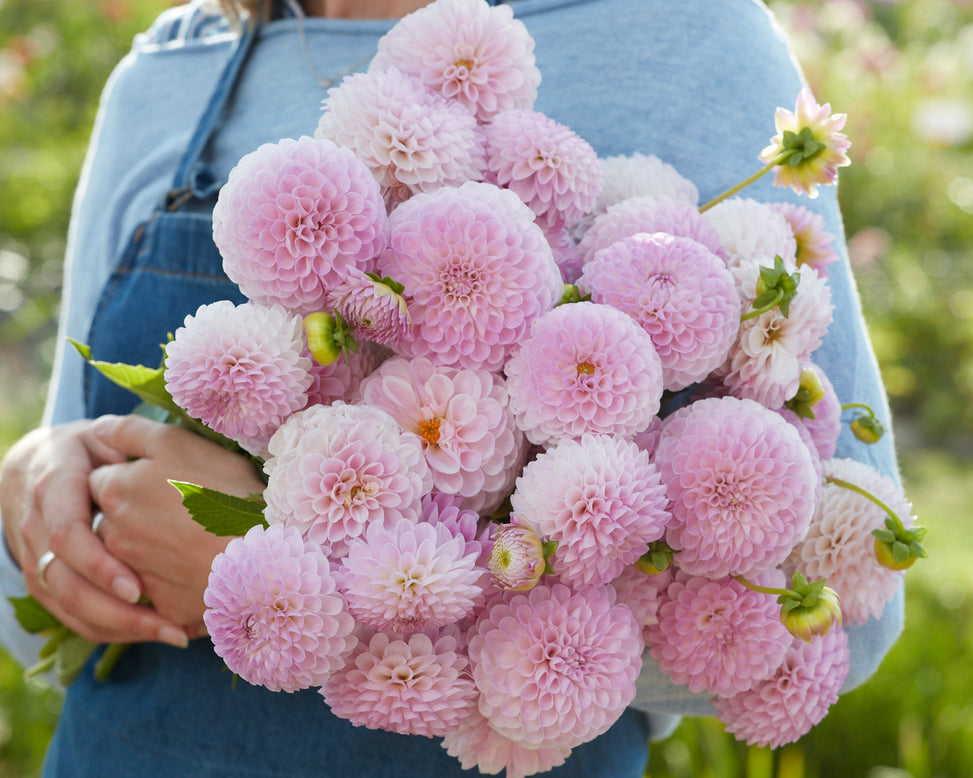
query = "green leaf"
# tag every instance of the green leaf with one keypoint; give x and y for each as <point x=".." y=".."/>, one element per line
<point x="72" y="654"/>
<point x="218" y="513"/>
<point x="33" y="616"/>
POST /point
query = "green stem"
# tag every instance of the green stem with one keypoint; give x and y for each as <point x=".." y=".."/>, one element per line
<point x="765" y="589"/>
<point x="742" y="185"/>
<point x="868" y="496"/>
<point x="109" y="658"/>
<point x="769" y="306"/>
<point x="849" y="406"/>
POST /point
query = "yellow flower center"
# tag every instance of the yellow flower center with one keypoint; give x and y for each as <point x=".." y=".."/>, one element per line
<point x="585" y="368"/>
<point x="429" y="429"/>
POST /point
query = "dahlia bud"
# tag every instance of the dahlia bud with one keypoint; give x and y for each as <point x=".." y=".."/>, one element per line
<point x="327" y="336"/>
<point x="809" y="392"/>
<point x="656" y="560"/>
<point x="867" y="429"/>
<point x="896" y="547"/>
<point x="373" y="306"/>
<point x="810" y="609"/>
<point x="519" y="557"/>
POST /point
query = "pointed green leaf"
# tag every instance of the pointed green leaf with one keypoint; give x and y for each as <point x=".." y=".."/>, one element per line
<point x="33" y="616"/>
<point x="221" y="514"/>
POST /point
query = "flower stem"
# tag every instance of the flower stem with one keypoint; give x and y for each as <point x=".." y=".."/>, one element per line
<point x="868" y="496"/>
<point x="763" y="309"/>
<point x="742" y="185"/>
<point x="765" y="589"/>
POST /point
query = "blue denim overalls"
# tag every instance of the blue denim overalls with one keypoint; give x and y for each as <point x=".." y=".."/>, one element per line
<point x="174" y="713"/>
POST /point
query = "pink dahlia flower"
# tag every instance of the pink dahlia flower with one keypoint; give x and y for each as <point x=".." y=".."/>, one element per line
<point x="750" y="230"/>
<point x="839" y="545"/>
<point x="239" y="369"/>
<point x="741" y="484"/>
<point x="585" y="368"/>
<point x="476" y="270"/>
<point x="549" y="166"/>
<point x="412" y="139"/>
<point x="478" y="745"/>
<point x="334" y="470"/>
<point x="410" y="577"/>
<point x="468" y="51"/>
<point x="679" y="292"/>
<point x="815" y="245"/>
<point x="470" y="441"/>
<point x="784" y="707"/>
<point x="600" y="498"/>
<point x="642" y="594"/>
<point x="340" y="379"/>
<point x="647" y="214"/>
<point x="374" y="309"/>
<point x="825" y="427"/>
<point x="273" y="611"/>
<point x="293" y="216"/>
<point x="555" y="668"/>
<point x="717" y="635"/>
<point x="416" y="685"/>
<point x="771" y="350"/>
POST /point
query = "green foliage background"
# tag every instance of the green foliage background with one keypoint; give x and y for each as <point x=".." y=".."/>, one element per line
<point x="903" y="72"/>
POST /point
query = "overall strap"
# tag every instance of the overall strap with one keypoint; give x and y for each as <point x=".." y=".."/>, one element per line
<point x="194" y="179"/>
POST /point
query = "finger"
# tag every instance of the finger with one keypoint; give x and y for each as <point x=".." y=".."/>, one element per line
<point x="134" y="436"/>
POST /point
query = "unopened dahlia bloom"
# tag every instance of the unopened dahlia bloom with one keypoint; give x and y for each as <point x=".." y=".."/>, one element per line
<point x="741" y="484"/>
<point x="585" y="368"/>
<point x="548" y="165"/>
<point x="750" y="230"/>
<point x="679" y="292"/>
<point x="239" y="369"/>
<point x="808" y="147"/>
<point x="409" y="577"/>
<point x="517" y="559"/>
<point x="785" y="706"/>
<point x="468" y="51"/>
<point x="334" y="470"/>
<point x="648" y="214"/>
<point x="815" y="245"/>
<point x="273" y="611"/>
<point x="555" y="667"/>
<point x="469" y="438"/>
<point x="416" y="685"/>
<point x="716" y="635"/>
<point x="373" y="308"/>
<point x="600" y="498"/>
<point x="412" y="139"/>
<point x="476" y="270"/>
<point x="293" y="216"/>
<point x="839" y="544"/>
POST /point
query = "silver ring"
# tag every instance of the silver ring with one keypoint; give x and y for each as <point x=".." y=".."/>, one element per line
<point x="96" y="521"/>
<point x="42" y="564"/>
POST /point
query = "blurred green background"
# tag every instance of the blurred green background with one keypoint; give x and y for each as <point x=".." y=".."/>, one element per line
<point x="903" y="72"/>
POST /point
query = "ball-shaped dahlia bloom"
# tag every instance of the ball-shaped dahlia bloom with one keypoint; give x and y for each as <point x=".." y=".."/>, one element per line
<point x="470" y="441"/>
<point x="839" y="544"/>
<point x="416" y="685"/>
<point x="741" y="484"/>
<point x="409" y="137"/>
<point x="600" y="498"/>
<point x="716" y="635"/>
<point x="750" y="230"/>
<point x="815" y="245"/>
<point x="679" y="292"/>
<point x="784" y="707"/>
<point x="293" y="216"/>
<point x="410" y="577"/>
<point x="648" y="214"/>
<point x="549" y="166"/>
<point x="239" y="369"/>
<point x="274" y="613"/>
<point x="584" y="368"/>
<point x="476" y="271"/>
<point x="334" y="470"/>
<point x="555" y="667"/>
<point x="468" y="51"/>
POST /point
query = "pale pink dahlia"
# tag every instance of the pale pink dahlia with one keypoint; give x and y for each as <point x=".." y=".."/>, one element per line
<point x="815" y="245"/>
<point x="839" y="545"/>
<point x="679" y="292"/>
<point x="409" y="577"/>
<point x="470" y="441"/>
<point x="468" y="51"/>
<point x="784" y="707"/>
<point x="273" y="611"/>
<point x="771" y="350"/>
<point x="478" y="745"/>
<point x="340" y="379"/>
<point x="412" y="139"/>
<point x="416" y="685"/>
<point x="239" y="369"/>
<point x="585" y="368"/>
<point x="741" y="484"/>
<point x="717" y="635"/>
<point x="334" y="470"/>
<point x="549" y="166"/>
<point x="600" y="498"/>
<point x="642" y="593"/>
<point x="476" y="270"/>
<point x="555" y="668"/>
<point x="373" y="308"/>
<point x="648" y="214"/>
<point x="750" y="230"/>
<point x="293" y="216"/>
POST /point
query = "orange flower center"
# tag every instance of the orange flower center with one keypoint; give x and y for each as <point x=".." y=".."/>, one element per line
<point x="429" y="429"/>
<point x="585" y="368"/>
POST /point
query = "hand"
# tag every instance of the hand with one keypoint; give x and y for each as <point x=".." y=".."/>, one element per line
<point x="146" y="525"/>
<point x="46" y="505"/>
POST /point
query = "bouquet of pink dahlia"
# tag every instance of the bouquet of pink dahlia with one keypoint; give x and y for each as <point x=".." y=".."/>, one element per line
<point x="528" y="418"/>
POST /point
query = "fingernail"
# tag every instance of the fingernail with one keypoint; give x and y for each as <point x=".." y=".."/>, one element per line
<point x="126" y="589"/>
<point x="174" y="637"/>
